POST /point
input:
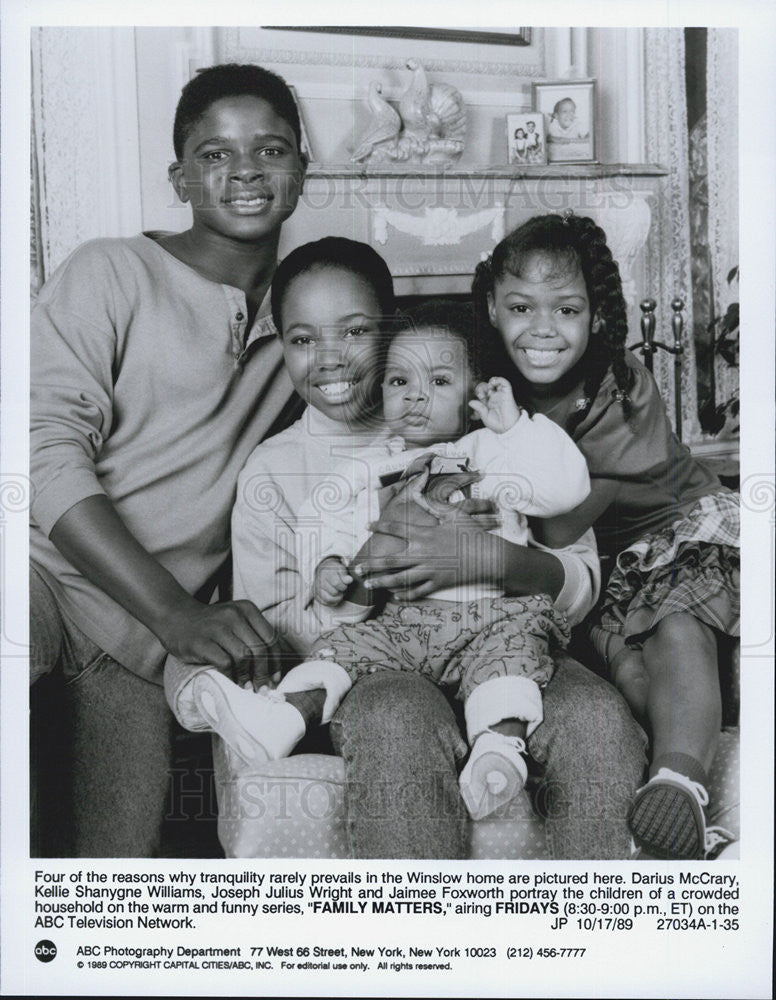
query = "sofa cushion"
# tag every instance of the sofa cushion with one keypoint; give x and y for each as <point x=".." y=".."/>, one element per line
<point x="294" y="808"/>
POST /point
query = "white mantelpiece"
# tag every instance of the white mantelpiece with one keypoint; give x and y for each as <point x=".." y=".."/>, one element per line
<point x="433" y="226"/>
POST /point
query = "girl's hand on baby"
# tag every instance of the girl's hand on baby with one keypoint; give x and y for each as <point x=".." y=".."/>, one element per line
<point x="331" y="581"/>
<point x="446" y="555"/>
<point x="495" y="405"/>
<point x="482" y="511"/>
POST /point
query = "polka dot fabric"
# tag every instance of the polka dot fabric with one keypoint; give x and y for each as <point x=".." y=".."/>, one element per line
<point x="516" y="833"/>
<point x="724" y="782"/>
<point x="289" y="808"/>
<point x="294" y="808"/>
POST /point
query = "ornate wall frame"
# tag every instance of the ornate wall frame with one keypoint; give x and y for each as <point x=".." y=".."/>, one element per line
<point x="235" y="43"/>
<point x="518" y="36"/>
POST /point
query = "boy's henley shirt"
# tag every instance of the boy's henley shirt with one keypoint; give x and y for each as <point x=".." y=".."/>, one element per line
<point x="145" y="388"/>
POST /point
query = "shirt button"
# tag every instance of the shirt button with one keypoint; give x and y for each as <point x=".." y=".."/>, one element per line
<point x="239" y="317"/>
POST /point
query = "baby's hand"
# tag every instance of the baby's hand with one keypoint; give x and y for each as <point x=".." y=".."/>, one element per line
<point x="495" y="405"/>
<point x="331" y="581"/>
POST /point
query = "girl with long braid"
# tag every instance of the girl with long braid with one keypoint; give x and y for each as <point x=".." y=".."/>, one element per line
<point x="551" y="297"/>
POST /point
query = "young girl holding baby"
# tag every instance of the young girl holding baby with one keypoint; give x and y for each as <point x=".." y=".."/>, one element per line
<point x="493" y="650"/>
<point x="551" y="293"/>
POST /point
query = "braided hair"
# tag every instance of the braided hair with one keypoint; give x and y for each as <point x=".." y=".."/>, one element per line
<point x="569" y="242"/>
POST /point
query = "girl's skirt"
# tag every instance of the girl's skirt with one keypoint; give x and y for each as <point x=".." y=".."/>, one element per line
<point x="693" y="567"/>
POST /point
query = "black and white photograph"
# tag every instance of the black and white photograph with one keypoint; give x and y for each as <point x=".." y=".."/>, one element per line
<point x="526" y="139"/>
<point x="373" y="511"/>
<point x="114" y="610"/>
<point x="570" y="107"/>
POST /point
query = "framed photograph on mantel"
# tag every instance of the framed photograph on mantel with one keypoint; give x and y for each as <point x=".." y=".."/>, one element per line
<point x="526" y="141"/>
<point x="569" y="107"/>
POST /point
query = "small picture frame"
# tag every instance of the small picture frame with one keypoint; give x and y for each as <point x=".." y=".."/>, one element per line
<point x="306" y="146"/>
<point x="569" y="107"/>
<point x="526" y="141"/>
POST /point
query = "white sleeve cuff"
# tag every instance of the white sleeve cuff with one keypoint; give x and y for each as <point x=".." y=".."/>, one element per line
<point x="582" y="576"/>
<point x="503" y="698"/>
<point x="313" y="675"/>
<point x="581" y="585"/>
<point x="344" y="613"/>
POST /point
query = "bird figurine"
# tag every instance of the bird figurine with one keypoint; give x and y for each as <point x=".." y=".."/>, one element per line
<point x="384" y="127"/>
<point x="429" y="127"/>
<point x="417" y="116"/>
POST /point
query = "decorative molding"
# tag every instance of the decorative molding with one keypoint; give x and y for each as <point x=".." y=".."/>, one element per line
<point x="438" y="226"/>
<point x="722" y="119"/>
<point x="434" y="269"/>
<point x="120" y="203"/>
<point x="433" y="227"/>
<point x="627" y="229"/>
<point x="64" y="126"/>
<point x="84" y="97"/>
<point x="579" y="51"/>
<point x="560" y="40"/>
<point x="668" y="260"/>
<point x="233" y="50"/>
<point x="289" y="57"/>
<point x="317" y="90"/>
<point x="632" y="130"/>
<point x="421" y="173"/>
<point x="518" y="36"/>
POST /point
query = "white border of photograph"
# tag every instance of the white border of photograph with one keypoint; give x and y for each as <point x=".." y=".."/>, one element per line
<point x="715" y="963"/>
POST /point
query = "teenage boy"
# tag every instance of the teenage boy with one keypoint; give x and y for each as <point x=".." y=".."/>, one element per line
<point x="155" y="372"/>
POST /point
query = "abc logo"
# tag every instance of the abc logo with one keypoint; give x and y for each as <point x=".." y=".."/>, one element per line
<point x="45" y="951"/>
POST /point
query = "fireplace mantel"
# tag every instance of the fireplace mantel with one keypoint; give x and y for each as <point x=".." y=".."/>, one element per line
<point x="556" y="171"/>
<point x="433" y="224"/>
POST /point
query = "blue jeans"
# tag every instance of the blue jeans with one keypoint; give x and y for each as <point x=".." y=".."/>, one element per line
<point x="401" y="743"/>
<point x="593" y="755"/>
<point x="117" y="751"/>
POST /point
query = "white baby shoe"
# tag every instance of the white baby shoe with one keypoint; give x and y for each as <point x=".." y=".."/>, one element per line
<point x="257" y="725"/>
<point x="494" y="774"/>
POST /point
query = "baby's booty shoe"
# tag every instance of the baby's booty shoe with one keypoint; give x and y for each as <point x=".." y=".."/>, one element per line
<point x="494" y="774"/>
<point x="257" y="725"/>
